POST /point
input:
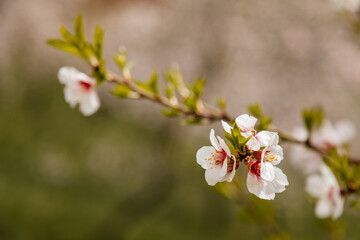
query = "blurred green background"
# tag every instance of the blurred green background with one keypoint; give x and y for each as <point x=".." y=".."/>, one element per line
<point x="129" y="173"/>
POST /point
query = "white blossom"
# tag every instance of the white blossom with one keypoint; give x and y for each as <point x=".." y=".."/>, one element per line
<point x="325" y="188"/>
<point x="217" y="160"/>
<point x="79" y="89"/>
<point x="264" y="179"/>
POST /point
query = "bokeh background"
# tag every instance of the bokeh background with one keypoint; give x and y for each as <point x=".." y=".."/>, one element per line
<point x="129" y="173"/>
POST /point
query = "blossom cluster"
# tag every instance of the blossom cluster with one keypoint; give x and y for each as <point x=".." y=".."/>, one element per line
<point x="261" y="155"/>
<point x="321" y="183"/>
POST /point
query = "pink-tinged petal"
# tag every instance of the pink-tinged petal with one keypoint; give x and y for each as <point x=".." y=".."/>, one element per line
<point x="227" y="128"/>
<point x="254" y="184"/>
<point x="90" y="103"/>
<point x="315" y="186"/>
<point x="253" y="144"/>
<point x="214" y="141"/>
<point x="324" y="208"/>
<point x="67" y="75"/>
<point x="204" y="157"/>
<point x="224" y="146"/>
<point x="245" y="122"/>
<point x="267" y="171"/>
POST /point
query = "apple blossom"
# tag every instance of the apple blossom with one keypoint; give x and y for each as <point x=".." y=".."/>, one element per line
<point x="79" y="89"/>
<point x="325" y="187"/>
<point x="246" y="125"/>
<point x="217" y="160"/>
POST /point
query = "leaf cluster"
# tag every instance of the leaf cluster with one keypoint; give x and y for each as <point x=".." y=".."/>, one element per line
<point x="237" y="140"/>
<point x="77" y="45"/>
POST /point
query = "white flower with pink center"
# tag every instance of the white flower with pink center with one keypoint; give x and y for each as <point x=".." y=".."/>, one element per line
<point x="264" y="179"/>
<point x="325" y="187"/>
<point x="219" y="164"/>
<point x="79" y="89"/>
<point x="246" y="125"/>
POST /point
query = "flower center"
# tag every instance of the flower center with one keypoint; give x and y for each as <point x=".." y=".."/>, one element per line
<point x="219" y="157"/>
<point x="85" y="85"/>
<point x="255" y="167"/>
<point x="271" y="157"/>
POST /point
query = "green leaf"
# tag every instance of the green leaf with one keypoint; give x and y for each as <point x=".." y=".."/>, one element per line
<point x="64" y="46"/>
<point x="79" y="28"/>
<point x="174" y="76"/>
<point x="120" y="59"/>
<point x="123" y="91"/>
<point x="313" y="117"/>
<point x="192" y="121"/>
<point x="255" y="110"/>
<point x="171" y="112"/>
<point x="221" y="103"/>
<point x="153" y="83"/>
<point x="198" y="87"/>
<point x="68" y="37"/>
<point x="98" y="42"/>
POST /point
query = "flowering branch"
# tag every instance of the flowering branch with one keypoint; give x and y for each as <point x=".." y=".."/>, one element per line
<point x="253" y="140"/>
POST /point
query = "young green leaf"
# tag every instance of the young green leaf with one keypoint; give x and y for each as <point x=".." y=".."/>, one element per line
<point x="98" y="42"/>
<point x="79" y="28"/>
<point x="64" y="46"/>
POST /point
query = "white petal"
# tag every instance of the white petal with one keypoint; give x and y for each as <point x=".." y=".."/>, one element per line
<point x="267" y="171"/>
<point x="338" y="208"/>
<point x="214" y="141"/>
<point x="72" y="94"/>
<point x="323" y="208"/>
<point x="254" y="184"/>
<point x="216" y="174"/>
<point x="253" y="144"/>
<point x="345" y="130"/>
<point x="90" y="103"/>
<point x="315" y="186"/>
<point x="204" y="157"/>
<point x="266" y="138"/>
<point x="226" y="126"/>
<point x="245" y="122"/>
<point x="300" y="133"/>
<point x="67" y="74"/>
<point x="276" y="155"/>
<point x="280" y="177"/>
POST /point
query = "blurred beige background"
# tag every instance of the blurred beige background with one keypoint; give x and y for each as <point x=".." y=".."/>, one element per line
<point x="129" y="173"/>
